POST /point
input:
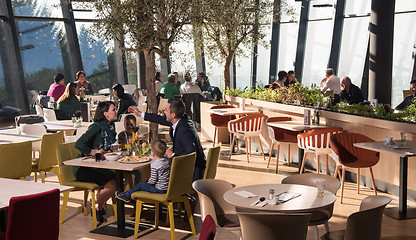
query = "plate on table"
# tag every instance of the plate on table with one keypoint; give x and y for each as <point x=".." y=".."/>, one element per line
<point x="134" y="159"/>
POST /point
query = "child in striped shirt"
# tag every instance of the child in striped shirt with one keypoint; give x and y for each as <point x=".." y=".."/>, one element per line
<point x="159" y="173"/>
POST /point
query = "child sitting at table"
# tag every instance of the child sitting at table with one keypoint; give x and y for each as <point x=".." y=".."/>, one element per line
<point x="159" y="173"/>
<point x="127" y="134"/>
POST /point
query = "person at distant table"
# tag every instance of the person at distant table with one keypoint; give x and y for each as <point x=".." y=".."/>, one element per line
<point x="122" y="99"/>
<point x="188" y="87"/>
<point x="169" y="88"/>
<point x="57" y="88"/>
<point x="158" y="82"/>
<point x="332" y="82"/>
<point x="409" y="100"/>
<point x="350" y="93"/>
<point x="68" y="103"/>
<point x="203" y="82"/>
<point x="291" y="80"/>
<point x="84" y="86"/>
<point x="280" y="82"/>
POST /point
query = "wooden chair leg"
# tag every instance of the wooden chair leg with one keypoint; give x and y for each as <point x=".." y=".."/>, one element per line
<point x="86" y="192"/>
<point x="318" y="166"/>
<point x="232" y="146"/>
<point x="277" y="158"/>
<point x="358" y="180"/>
<point x="336" y="171"/>
<point x="137" y="218"/>
<point x="65" y="202"/>
<point x="288" y="154"/>
<point x="114" y="200"/>
<point x="327" y="165"/>
<point x="270" y="154"/>
<point x="213" y="140"/>
<point x="42" y="175"/>
<point x="157" y="215"/>
<point x="190" y="216"/>
<point x="247" y="150"/>
<point x="261" y="147"/>
<point x="35" y="175"/>
<point x="372" y="180"/>
<point x="94" y="210"/>
<point x="171" y="221"/>
<point x="342" y="183"/>
<point x="303" y="163"/>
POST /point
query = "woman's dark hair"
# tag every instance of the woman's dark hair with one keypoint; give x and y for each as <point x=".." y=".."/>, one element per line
<point x="58" y="77"/>
<point x="101" y="108"/>
<point x="281" y="75"/>
<point x="177" y="106"/>
<point x="79" y="73"/>
<point x="119" y="89"/>
<point x="68" y="93"/>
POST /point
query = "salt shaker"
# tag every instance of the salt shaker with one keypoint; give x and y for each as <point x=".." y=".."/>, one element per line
<point x="271" y="194"/>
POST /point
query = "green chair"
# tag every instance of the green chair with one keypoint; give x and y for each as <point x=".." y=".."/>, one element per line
<point x="47" y="157"/>
<point x="15" y="160"/>
<point x="212" y="162"/>
<point x="179" y="184"/>
<point x="66" y="152"/>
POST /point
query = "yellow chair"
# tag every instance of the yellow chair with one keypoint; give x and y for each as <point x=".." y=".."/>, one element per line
<point x="66" y="152"/>
<point x="179" y="184"/>
<point x="15" y="160"/>
<point x="212" y="162"/>
<point x="47" y="157"/>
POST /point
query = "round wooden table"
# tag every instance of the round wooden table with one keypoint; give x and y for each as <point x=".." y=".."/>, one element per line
<point x="308" y="201"/>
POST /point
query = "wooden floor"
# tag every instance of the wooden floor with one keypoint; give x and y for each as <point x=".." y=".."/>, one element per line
<point x="240" y="173"/>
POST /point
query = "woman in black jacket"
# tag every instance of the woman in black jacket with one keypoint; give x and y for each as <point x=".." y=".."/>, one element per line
<point x="122" y="100"/>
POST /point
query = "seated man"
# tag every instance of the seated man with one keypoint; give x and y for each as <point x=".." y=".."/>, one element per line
<point x="169" y="88"/>
<point x="182" y="132"/>
<point x="409" y="100"/>
<point x="332" y="82"/>
<point x="350" y="93"/>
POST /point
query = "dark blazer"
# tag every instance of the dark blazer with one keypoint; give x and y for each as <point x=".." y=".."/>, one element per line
<point x="185" y="140"/>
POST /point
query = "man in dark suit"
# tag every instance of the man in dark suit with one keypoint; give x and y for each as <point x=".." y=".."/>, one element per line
<point x="182" y="132"/>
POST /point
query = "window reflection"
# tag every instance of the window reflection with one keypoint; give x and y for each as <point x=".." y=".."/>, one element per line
<point x="38" y="8"/>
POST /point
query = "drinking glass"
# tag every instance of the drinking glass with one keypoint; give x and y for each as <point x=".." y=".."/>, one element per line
<point x="320" y="185"/>
<point x="403" y="136"/>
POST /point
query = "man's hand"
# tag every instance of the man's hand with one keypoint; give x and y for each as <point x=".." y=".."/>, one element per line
<point x="94" y="151"/>
<point x="169" y="153"/>
<point x="135" y="111"/>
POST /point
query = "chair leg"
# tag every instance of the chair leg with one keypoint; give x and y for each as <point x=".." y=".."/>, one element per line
<point x="270" y="154"/>
<point x="316" y="231"/>
<point x="358" y="180"/>
<point x="65" y="202"/>
<point x="249" y="142"/>
<point x="137" y="218"/>
<point x="94" y="210"/>
<point x="35" y="175"/>
<point x="213" y="140"/>
<point x="157" y="215"/>
<point x="336" y="171"/>
<point x="318" y="166"/>
<point x="261" y="147"/>
<point x="190" y="216"/>
<point x="303" y="163"/>
<point x="85" y="202"/>
<point x="372" y="180"/>
<point x="327" y="161"/>
<point x="42" y="175"/>
<point x="247" y="150"/>
<point x="232" y="146"/>
<point x="171" y="221"/>
<point x="288" y="154"/>
<point x="342" y="183"/>
<point x="326" y="225"/>
<point x="277" y="158"/>
<point x="114" y="200"/>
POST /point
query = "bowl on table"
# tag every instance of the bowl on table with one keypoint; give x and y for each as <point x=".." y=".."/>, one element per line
<point x="112" y="156"/>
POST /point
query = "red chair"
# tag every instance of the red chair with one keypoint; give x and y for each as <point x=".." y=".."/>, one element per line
<point x="23" y="209"/>
<point x="218" y="120"/>
<point x="208" y="229"/>
<point x="346" y="155"/>
<point x="279" y="136"/>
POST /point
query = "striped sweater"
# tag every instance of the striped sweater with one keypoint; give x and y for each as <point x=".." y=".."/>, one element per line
<point x="160" y="173"/>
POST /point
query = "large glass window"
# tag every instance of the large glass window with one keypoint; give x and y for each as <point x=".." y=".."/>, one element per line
<point x="353" y="49"/>
<point x="83" y="10"/>
<point x="322" y="9"/>
<point x="42" y="46"/>
<point x="287" y="46"/>
<point x="215" y="71"/>
<point x="405" y="5"/>
<point x="263" y="59"/>
<point x="357" y="7"/>
<point x="318" y="46"/>
<point x="97" y="58"/>
<point x="6" y="89"/>
<point x="404" y="35"/>
<point x="38" y="8"/>
<point x="243" y="69"/>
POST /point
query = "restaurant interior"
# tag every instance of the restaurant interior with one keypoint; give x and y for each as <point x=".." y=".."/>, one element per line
<point x="296" y="161"/>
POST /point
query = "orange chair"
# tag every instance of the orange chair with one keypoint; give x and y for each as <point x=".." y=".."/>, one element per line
<point x="279" y="136"/>
<point x="218" y="120"/>
<point x="248" y="126"/>
<point x="317" y="141"/>
<point x="346" y="155"/>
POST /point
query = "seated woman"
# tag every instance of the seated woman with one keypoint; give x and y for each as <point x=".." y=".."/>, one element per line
<point x="68" y="103"/>
<point x="97" y="139"/>
<point x="127" y="134"/>
<point x="123" y="100"/>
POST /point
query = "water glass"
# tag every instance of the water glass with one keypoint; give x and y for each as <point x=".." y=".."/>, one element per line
<point x="320" y="185"/>
<point x="403" y="136"/>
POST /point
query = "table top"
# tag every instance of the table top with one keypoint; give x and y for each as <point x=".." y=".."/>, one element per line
<point x="11" y="136"/>
<point x="14" y="188"/>
<point x="232" y="111"/>
<point x="62" y="125"/>
<point x="396" y="148"/>
<point x="295" y="125"/>
<point x="113" y="165"/>
<point x="307" y="201"/>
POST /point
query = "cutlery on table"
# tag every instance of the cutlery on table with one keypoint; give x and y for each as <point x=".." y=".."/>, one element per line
<point x="259" y="201"/>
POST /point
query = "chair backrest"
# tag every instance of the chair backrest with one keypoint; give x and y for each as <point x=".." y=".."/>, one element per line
<point x="271" y="226"/>
<point x="47" y="156"/>
<point x="276" y="133"/>
<point x="218" y="120"/>
<point x="406" y="93"/>
<point x="349" y="155"/>
<point x="129" y="88"/>
<point x="32" y="129"/>
<point x="49" y="114"/>
<point x="181" y="174"/>
<point x="15" y="160"/>
<point x="210" y="193"/>
<point x="66" y="152"/>
<point x="163" y="104"/>
<point x="39" y="110"/>
<point x="247" y="124"/>
<point x="366" y="224"/>
<point x="317" y="138"/>
<point x="119" y="127"/>
<point x="208" y="229"/>
<point x="309" y="179"/>
<point x="99" y="98"/>
<point x="21" y="211"/>
<point x="212" y="162"/>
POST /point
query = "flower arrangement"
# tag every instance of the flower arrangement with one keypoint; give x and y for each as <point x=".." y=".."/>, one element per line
<point x="138" y="144"/>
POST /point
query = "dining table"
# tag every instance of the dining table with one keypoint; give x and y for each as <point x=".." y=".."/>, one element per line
<point x="304" y="199"/>
<point x="119" y="167"/>
<point x="404" y="151"/>
<point x="63" y="125"/>
<point x="300" y="127"/>
<point x="11" y="136"/>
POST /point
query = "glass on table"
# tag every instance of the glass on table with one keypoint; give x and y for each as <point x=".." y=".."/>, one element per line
<point x="403" y="136"/>
<point x="320" y="185"/>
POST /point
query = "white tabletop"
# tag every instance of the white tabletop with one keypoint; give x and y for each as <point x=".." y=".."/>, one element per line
<point x="295" y="125"/>
<point x="11" y="136"/>
<point x="62" y="125"/>
<point x="307" y="201"/>
<point x="396" y="148"/>
<point x="113" y="165"/>
<point x="14" y="188"/>
<point x="232" y="111"/>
